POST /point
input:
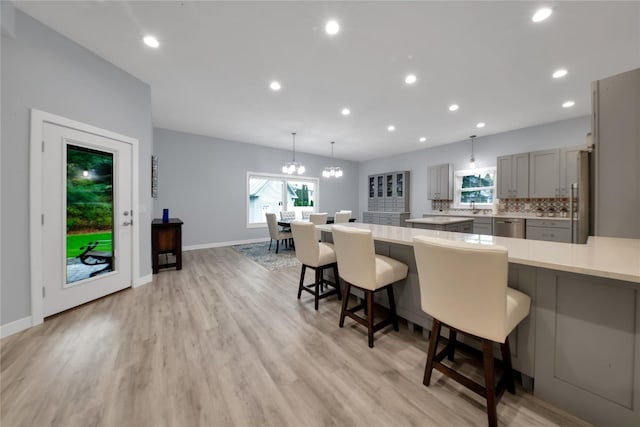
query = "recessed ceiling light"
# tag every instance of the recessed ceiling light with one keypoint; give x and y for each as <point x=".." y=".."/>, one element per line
<point x="453" y="107"/>
<point x="275" y="85"/>
<point x="410" y="79"/>
<point x="151" y="41"/>
<point x="391" y="128"/>
<point x="346" y="111"/>
<point x="568" y="104"/>
<point x="422" y="139"/>
<point x="480" y="125"/>
<point x="559" y="73"/>
<point x="332" y="27"/>
<point x="541" y="14"/>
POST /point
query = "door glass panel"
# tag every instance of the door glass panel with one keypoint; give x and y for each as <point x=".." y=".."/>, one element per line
<point x="90" y="214"/>
<point x="265" y="196"/>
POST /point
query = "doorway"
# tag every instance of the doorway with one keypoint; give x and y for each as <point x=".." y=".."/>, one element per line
<point x="83" y="247"/>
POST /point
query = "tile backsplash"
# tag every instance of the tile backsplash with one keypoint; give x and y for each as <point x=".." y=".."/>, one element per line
<point x="521" y="206"/>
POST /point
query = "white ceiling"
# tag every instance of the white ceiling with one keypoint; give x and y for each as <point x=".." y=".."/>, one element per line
<point x="211" y="74"/>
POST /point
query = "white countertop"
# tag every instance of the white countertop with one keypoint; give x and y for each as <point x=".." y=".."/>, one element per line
<point x="610" y="257"/>
<point x="481" y="214"/>
<point x="440" y="220"/>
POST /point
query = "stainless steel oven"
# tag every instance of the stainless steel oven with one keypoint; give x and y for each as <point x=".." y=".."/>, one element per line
<point x="509" y="227"/>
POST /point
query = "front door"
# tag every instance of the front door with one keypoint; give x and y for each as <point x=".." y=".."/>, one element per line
<point x="87" y="217"/>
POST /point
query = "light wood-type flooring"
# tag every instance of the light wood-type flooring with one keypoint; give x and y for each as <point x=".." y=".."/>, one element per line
<point x="225" y="342"/>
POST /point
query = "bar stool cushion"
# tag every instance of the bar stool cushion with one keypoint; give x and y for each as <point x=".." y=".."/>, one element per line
<point x="308" y="250"/>
<point x="389" y="270"/>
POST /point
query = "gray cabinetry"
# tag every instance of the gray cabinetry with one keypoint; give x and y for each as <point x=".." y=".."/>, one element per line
<point x="587" y="341"/>
<point x="440" y="182"/>
<point x="616" y="136"/>
<point x="483" y="226"/>
<point x="389" y="192"/>
<point x="386" y="218"/>
<point x="549" y="230"/>
<point x="513" y="176"/>
<point x="544" y="174"/>
<point x="568" y="169"/>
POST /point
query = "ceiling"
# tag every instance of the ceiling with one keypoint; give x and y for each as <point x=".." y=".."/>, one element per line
<point x="211" y="73"/>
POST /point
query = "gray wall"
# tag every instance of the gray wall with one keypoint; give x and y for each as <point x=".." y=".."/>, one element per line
<point x="41" y="69"/>
<point x="566" y="133"/>
<point x="203" y="181"/>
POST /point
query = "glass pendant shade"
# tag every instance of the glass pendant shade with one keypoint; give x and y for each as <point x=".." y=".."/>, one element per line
<point x="472" y="160"/>
<point x="293" y="166"/>
<point x="332" y="171"/>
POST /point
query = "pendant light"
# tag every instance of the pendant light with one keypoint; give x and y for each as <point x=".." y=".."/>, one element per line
<point x="332" y="171"/>
<point x="293" y="166"/>
<point x="472" y="160"/>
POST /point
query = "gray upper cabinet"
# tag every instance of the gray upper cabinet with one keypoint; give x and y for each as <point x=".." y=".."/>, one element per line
<point x="513" y="176"/>
<point x="440" y="180"/>
<point x="551" y="172"/>
<point x="544" y="174"/>
<point x="389" y="192"/>
<point x="568" y="169"/>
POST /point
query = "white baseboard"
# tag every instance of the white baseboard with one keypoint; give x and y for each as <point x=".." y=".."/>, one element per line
<point x="221" y="244"/>
<point x="142" y="280"/>
<point x="15" y="326"/>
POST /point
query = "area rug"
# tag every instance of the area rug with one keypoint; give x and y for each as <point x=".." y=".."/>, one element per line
<point x="260" y="253"/>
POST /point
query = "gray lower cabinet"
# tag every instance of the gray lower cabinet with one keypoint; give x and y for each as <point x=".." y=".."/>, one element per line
<point x="460" y="227"/>
<point x="483" y="226"/>
<point x="549" y="230"/>
<point x="588" y="346"/>
<point x="386" y="218"/>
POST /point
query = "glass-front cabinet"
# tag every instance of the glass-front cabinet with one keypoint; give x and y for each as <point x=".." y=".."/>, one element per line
<point x="388" y="192"/>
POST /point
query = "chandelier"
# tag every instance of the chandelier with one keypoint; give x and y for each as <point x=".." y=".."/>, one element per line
<point x="293" y="166"/>
<point x="332" y="171"/>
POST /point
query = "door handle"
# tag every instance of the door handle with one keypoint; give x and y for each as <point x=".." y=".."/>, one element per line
<point x="127" y="223"/>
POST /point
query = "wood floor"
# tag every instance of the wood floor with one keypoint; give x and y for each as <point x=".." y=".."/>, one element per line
<point x="224" y="342"/>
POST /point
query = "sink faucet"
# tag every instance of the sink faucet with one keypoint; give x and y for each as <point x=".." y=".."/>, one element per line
<point x="473" y="207"/>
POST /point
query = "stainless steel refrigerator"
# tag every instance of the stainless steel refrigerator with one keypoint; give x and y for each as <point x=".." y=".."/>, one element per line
<point x="581" y="200"/>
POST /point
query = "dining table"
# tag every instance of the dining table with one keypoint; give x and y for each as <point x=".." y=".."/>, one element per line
<point x="287" y="222"/>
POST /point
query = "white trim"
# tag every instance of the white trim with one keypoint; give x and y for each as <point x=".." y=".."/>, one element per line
<point x="143" y="281"/>
<point x="15" y="326"/>
<point x="222" y="244"/>
<point x="457" y="176"/>
<point x="38" y="119"/>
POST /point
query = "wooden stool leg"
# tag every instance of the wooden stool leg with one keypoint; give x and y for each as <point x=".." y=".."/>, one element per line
<point x="337" y="280"/>
<point x="490" y="382"/>
<point x="316" y="295"/>
<point x="392" y="308"/>
<point x="508" y="369"/>
<point x="304" y="269"/>
<point x="451" y="346"/>
<point x="431" y="354"/>
<point x="369" y="297"/>
<point x="345" y="302"/>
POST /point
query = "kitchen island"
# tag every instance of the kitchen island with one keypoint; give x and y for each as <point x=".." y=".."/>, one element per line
<point x="581" y="342"/>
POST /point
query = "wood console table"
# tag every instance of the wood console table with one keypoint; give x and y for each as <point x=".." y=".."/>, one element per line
<point x="166" y="237"/>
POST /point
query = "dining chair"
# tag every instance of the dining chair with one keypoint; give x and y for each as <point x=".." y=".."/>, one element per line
<point x="342" y="217"/>
<point x="305" y="214"/>
<point x="287" y="215"/>
<point x="317" y="256"/>
<point x="362" y="268"/>
<point x="463" y="286"/>
<point x="275" y="233"/>
<point x="318" y="219"/>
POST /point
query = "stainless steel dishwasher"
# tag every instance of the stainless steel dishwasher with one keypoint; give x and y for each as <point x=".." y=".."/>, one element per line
<point x="509" y="227"/>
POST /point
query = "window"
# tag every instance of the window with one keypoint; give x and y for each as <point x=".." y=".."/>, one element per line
<point x="277" y="193"/>
<point x="474" y="187"/>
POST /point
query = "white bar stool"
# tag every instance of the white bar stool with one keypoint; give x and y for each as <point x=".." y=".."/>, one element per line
<point x="361" y="267"/>
<point x="318" y="256"/>
<point x="463" y="286"/>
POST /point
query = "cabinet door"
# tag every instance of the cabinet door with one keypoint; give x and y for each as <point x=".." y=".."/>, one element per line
<point x="568" y="169"/>
<point x="544" y="174"/>
<point x="388" y="186"/>
<point x="520" y="176"/>
<point x="380" y="186"/>
<point x="434" y="182"/>
<point x="445" y="183"/>
<point x="399" y="184"/>
<point x="372" y="187"/>
<point x="503" y="173"/>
